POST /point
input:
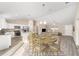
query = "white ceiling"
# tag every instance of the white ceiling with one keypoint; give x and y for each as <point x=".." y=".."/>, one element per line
<point x="30" y="9"/>
<point x="37" y="10"/>
<point x="64" y="16"/>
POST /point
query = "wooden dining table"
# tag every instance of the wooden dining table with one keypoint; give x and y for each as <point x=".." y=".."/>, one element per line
<point x="45" y="44"/>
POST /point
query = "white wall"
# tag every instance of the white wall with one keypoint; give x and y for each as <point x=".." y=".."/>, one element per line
<point x="76" y="24"/>
<point x="3" y="23"/>
<point x="76" y="34"/>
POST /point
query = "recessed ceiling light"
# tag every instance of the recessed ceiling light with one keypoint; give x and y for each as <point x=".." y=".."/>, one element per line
<point x="66" y="2"/>
<point x="44" y="22"/>
<point x="43" y="4"/>
<point x="40" y="22"/>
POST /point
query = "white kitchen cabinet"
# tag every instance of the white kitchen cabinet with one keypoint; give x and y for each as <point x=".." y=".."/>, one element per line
<point x="5" y="41"/>
<point x="76" y="33"/>
<point x="68" y="30"/>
